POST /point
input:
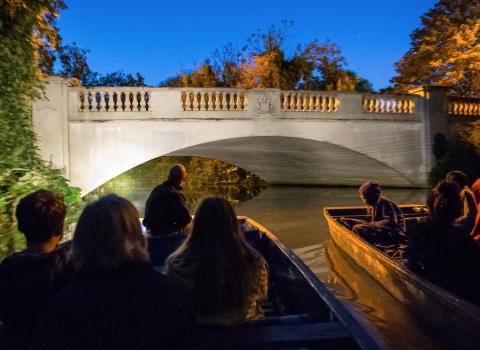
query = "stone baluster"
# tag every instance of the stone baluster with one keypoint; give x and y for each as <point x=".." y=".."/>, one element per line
<point x="214" y="100"/>
<point x="206" y="101"/>
<point x="317" y="106"/>
<point x="81" y="97"/>
<point x="235" y="101"/>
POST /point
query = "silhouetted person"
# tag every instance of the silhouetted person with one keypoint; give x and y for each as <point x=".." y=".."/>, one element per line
<point x="30" y="278"/>
<point x="387" y="223"/>
<point x="442" y="250"/>
<point x="227" y="277"/>
<point x="117" y="300"/>
<point x="476" y="193"/>
<point x="469" y="209"/>
<point x="166" y="216"/>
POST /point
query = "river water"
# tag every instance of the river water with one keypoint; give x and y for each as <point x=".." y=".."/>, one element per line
<point x="295" y="216"/>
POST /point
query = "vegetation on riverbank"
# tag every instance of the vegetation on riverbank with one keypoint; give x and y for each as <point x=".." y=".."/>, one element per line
<point x="28" y="33"/>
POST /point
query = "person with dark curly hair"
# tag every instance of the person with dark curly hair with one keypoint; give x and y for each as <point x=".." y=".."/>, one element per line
<point x="442" y="250"/>
<point x="30" y="278"/>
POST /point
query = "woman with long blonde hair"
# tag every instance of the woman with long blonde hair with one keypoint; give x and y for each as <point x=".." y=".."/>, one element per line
<point x="227" y="277"/>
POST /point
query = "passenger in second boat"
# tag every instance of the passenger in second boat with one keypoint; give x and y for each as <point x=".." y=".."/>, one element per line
<point x="387" y="223"/>
<point x="469" y="209"/>
<point x="442" y="250"/>
<point x="226" y="276"/>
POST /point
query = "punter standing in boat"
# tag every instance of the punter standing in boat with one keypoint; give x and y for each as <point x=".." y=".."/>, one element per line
<point x="167" y="218"/>
<point x="387" y="223"/>
<point x="469" y="209"/>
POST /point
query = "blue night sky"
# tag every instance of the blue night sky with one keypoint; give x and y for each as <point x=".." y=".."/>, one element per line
<point x="160" y="39"/>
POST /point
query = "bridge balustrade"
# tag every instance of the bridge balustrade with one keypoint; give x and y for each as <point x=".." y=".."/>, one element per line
<point x="463" y="106"/>
<point x="399" y="104"/>
<point x="220" y="100"/>
<point x="172" y="102"/>
<point x="114" y="100"/>
<point x="300" y="101"/>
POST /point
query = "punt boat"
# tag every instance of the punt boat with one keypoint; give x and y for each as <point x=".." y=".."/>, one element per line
<point x="300" y="313"/>
<point x="451" y="317"/>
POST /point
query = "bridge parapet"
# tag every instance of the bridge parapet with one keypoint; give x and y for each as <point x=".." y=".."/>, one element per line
<point x="105" y="103"/>
<point x="463" y="106"/>
<point x="399" y="104"/>
<point x="309" y="101"/>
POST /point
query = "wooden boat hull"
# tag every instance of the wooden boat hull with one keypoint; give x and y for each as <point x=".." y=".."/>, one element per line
<point x="450" y="316"/>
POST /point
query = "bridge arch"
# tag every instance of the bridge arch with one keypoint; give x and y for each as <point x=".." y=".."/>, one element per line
<point x="286" y="160"/>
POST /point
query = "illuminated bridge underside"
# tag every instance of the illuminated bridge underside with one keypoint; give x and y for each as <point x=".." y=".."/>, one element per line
<point x="286" y="160"/>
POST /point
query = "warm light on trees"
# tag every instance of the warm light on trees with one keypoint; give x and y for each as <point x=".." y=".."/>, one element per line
<point x="264" y="63"/>
<point x="445" y="49"/>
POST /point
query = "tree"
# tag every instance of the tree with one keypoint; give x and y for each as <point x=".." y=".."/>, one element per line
<point x="118" y="78"/>
<point x="74" y="62"/>
<point x="445" y="50"/>
<point x="263" y="63"/>
<point x="28" y="37"/>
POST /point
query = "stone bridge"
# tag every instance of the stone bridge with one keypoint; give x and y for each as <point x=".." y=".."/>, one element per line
<point x="285" y="137"/>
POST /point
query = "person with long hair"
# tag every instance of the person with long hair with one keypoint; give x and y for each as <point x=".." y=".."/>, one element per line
<point x="442" y="250"/>
<point x="226" y="276"/>
<point x="117" y="300"/>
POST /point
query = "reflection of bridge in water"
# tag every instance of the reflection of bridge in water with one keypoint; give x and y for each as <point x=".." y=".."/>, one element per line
<point x="291" y="137"/>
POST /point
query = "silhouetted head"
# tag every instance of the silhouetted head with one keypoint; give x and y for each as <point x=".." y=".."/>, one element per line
<point x="178" y="174"/>
<point x="40" y="216"/>
<point x="457" y="176"/>
<point x="108" y="236"/>
<point x="369" y="192"/>
<point x="444" y="202"/>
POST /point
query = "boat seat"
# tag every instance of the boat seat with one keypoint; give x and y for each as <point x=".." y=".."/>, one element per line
<point x="328" y="335"/>
<point x="283" y="320"/>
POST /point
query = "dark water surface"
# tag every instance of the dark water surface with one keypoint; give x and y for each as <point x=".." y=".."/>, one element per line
<point x="295" y="215"/>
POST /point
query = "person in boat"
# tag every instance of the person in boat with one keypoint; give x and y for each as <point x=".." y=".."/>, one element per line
<point x="227" y="277"/>
<point x="442" y="250"/>
<point x="167" y="218"/>
<point x="30" y="278"/>
<point x="469" y="212"/>
<point x="387" y="223"/>
<point x="476" y="193"/>
<point x="116" y="300"/>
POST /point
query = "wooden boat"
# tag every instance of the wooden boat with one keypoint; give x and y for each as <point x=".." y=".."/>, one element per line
<point x="300" y="313"/>
<point x="451" y="317"/>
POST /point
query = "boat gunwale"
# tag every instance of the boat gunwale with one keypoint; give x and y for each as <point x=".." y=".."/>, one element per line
<point x="446" y="298"/>
<point x="361" y="336"/>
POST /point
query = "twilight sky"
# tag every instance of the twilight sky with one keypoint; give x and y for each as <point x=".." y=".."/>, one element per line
<point x="161" y="38"/>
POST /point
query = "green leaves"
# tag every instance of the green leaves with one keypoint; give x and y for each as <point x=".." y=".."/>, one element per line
<point x="28" y="31"/>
